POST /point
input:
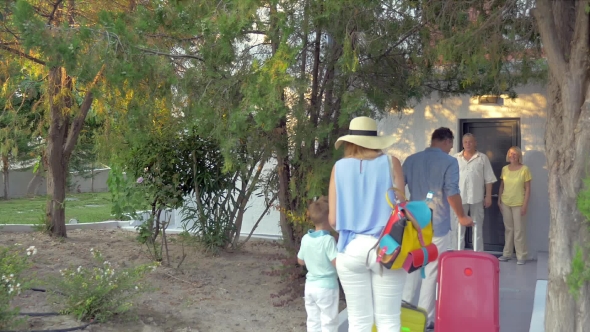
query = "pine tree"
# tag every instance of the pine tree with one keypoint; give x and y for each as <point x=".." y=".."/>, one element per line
<point x="87" y="55"/>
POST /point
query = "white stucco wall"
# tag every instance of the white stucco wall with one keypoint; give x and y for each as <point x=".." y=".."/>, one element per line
<point x="414" y="126"/>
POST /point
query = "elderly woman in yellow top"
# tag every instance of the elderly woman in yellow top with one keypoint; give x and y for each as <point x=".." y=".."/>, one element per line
<point x="515" y="190"/>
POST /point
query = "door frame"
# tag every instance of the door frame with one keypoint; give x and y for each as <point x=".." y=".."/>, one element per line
<point x="460" y="131"/>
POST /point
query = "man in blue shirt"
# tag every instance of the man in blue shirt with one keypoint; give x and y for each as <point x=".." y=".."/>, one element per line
<point x="434" y="170"/>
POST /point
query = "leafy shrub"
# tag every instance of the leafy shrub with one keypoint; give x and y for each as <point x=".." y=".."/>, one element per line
<point x="580" y="274"/>
<point x="173" y="169"/>
<point x="100" y="292"/>
<point x="12" y="265"/>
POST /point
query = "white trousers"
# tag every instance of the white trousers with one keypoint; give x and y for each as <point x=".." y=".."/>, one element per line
<point x="373" y="295"/>
<point x="321" y="305"/>
<point x="477" y="212"/>
<point x="426" y="287"/>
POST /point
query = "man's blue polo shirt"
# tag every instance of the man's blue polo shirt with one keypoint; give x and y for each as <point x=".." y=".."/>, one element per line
<point x="436" y="171"/>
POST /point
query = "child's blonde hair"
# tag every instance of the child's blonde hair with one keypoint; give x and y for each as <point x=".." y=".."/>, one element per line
<point x="318" y="211"/>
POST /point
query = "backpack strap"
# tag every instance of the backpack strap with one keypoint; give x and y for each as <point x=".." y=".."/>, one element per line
<point x="374" y="247"/>
<point x="397" y="193"/>
<point x="422" y="270"/>
<point x="391" y="170"/>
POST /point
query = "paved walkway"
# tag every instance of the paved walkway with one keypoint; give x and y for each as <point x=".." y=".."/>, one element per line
<point x="517" y="291"/>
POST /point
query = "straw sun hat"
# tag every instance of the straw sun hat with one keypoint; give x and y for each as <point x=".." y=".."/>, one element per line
<point x="362" y="131"/>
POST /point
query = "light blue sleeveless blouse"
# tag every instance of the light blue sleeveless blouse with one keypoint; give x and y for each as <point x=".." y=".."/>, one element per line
<point x="361" y="207"/>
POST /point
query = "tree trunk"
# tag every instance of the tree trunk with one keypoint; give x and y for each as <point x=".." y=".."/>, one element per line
<point x="567" y="226"/>
<point x="61" y="141"/>
<point x="567" y="142"/>
<point x="282" y="148"/>
<point x="56" y="190"/>
<point x="284" y="175"/>
<point x="60" y="86"/>
<point x="5" y="170"/>
<point x="92" y="179"/>
<point x="285" y="201"/>
<point x="249" y="183"/>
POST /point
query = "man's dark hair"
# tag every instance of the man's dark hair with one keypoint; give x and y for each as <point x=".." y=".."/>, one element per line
<point x="442" y="134"/>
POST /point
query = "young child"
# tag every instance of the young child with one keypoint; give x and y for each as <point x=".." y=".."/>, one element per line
<point x="318" y="253"/>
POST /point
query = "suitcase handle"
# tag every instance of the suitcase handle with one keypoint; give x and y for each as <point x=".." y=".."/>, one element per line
<point x="459" y="236"/>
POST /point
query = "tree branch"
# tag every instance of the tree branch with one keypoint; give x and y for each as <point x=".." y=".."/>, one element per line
<point x="185" y="56"/>
<point x="161" y="35"/>
<point x="52" y="15"/>
<point x="579" y="52"/>
<point x="268" y="206"/>
<point x="79" y="120"/>
<point x="545" y="22"/>
<point x="255" y="32"/>
<point x="21" y="54"/>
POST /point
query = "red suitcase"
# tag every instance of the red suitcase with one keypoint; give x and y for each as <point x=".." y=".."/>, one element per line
<point x="467" y="292"/>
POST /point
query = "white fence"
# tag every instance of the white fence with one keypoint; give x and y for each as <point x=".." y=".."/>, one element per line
<point x="268" y="227"/>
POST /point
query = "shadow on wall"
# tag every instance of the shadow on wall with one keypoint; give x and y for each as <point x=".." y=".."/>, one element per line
<point x="414" y="125"/>
<point x="402" y="126"/>
<point x="538" y="211"/>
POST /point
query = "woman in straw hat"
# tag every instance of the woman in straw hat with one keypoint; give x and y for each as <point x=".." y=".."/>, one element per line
<point x="359" y="211"/>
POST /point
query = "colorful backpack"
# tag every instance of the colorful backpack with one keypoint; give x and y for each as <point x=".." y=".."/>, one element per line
<point x="406" y="240"/>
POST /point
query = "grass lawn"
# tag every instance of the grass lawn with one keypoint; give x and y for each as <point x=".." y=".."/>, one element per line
<point x="87" y="207"/>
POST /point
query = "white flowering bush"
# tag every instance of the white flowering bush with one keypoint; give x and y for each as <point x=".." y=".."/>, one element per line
<point x="13" y="263"/>
<point x="97" y="293"/>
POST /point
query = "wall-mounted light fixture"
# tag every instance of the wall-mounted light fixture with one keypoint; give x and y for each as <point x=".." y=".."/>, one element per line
<point x="490" y="100"/>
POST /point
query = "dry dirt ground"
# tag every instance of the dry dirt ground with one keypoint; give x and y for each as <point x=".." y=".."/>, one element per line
<point x="224" y="292"/>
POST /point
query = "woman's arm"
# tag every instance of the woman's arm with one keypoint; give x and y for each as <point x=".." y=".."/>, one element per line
<point x="398" y="173"/>
<point x="332" y="199"/>
<point x="527" y="194"/>
<point x="500" y="191"/>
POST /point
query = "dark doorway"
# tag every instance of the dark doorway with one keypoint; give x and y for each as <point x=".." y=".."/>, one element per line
<point x="494" y="138"/>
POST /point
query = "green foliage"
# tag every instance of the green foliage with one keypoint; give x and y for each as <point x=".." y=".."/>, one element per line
<point x="580" y="274"/>
<point x="478" y="47"/>
<point x="288" y="78"/>
<point x="96" y="46"/>
<point x="292" y="75"/>
<point x="146" y="235"/>
<point x="124" y="199"/>
<point x="584" y="200"/>
<point x="163" y="171"/>
<point x="13" y="279"/>
<point x="42" y="225"/>
<point x="283" y="77"/>
<point x="19" y="123"/>
<point x="99" y="292"/>
<point x="85" y="157"/>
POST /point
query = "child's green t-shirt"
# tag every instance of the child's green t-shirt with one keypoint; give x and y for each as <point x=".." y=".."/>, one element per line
<point x="318" y="250"/>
